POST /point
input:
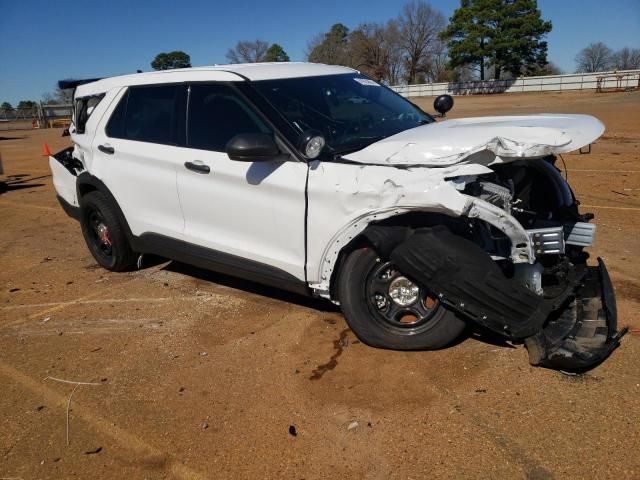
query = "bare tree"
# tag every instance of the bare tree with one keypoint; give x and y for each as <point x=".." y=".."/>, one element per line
<point x="596" y="57"/>
<point x="435" y="66"/>
<point x="247" y="51"/>
<point x="627" y="59"/>
<point x="419" y="25"/>
<point x="371" y="47"/>
<point x="58" y="97"/>
<point x="395" y="58"/>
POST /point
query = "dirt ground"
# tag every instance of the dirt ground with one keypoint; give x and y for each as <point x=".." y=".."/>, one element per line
<point x="197" y="375"/>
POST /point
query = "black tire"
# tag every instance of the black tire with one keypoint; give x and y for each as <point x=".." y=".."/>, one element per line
<point x="358" y="286"/>
<point x="104" y="234"/>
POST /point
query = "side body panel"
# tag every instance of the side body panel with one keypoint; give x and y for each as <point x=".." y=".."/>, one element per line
<point x="254" y="210"/>
<point x="142" y="178"/>
<point x="345" y="198"/>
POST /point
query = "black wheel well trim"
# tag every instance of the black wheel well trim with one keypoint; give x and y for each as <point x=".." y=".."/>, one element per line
<point x="384" y="235"/>
<point x="88" y="183"/>
<point x="380" y="237"/>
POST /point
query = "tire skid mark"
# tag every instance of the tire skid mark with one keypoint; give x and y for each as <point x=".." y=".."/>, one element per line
<point x="532" y="468"/>
<point x="95" y="326"/>
<point x="80" y="301"/>
<point x="30" y="205"/>
<point x="59" y="306"/>
<point x="149" y="454"/>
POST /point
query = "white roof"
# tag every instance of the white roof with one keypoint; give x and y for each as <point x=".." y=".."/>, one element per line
<point x="223" y="73"/>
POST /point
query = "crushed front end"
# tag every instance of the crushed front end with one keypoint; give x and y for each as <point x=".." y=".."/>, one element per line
<point x="516" y="265"/>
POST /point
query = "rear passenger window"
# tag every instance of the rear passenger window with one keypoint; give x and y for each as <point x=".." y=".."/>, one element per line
<point x="151" y="114"/>
<point x="216" y="114"/>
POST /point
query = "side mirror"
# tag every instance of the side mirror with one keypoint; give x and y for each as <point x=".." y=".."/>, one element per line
<point x="252" y="147"/>
<point x="65" y="132"/>
<point x="442" y="104"/>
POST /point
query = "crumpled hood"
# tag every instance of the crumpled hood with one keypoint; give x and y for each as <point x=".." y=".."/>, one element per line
<point x="485" y="140"/>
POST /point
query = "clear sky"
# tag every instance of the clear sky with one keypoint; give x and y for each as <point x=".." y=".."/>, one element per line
<point x="44" y="41"/>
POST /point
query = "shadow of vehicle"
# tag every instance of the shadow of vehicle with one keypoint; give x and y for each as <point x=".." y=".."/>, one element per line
<point x="251" y="287"/>
<point x="19" y="182"/>
<point x="473" y="332"/>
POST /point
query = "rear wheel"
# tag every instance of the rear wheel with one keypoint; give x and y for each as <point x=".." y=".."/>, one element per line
<point x="104" y="234"/>
<point x="386" y="309"/>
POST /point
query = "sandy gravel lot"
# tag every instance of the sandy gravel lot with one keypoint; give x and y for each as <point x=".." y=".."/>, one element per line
<point x="201" y="376"/>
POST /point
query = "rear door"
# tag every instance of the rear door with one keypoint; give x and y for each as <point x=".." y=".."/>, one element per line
<point x="255" y="211"/>
<point x="140" y="149"/>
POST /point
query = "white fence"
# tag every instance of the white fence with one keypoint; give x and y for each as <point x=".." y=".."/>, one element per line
<point x="600" y="81"/>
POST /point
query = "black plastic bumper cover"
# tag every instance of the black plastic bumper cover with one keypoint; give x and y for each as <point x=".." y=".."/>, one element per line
<point x="575" y="330"/>
<point x="585" y="333"/>
<point x="71" y="210"/>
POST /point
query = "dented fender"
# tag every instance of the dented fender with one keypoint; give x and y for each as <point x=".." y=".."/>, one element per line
<point x="373" y="193"/>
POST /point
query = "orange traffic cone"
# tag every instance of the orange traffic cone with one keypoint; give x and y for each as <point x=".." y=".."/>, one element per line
<point x="45" y="150"/>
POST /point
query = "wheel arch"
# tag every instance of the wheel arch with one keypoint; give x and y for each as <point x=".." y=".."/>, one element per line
<point x="87" y="183"/>
<point x="383" y="234"/>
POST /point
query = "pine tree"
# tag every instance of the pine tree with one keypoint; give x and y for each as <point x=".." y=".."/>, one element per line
<point x="504" y="34"/>
<point x="276" y="54"/>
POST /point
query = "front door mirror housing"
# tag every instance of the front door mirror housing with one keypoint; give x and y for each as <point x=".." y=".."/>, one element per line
<point x="252" y="147"/>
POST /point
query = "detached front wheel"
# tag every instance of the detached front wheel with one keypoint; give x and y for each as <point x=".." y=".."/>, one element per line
<point x="385" y="309"/>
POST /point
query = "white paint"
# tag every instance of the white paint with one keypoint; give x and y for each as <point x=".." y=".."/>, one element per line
<point x="493" y="139"/>
<point x="63" y="181"/>
<point x="257" y="210"/>
<point x="217" y="73"/>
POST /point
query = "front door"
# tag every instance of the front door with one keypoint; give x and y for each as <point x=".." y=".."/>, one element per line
<point x="251" y="210"/>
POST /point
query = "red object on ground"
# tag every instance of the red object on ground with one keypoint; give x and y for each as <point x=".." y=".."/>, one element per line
<point x="45" y="150"/>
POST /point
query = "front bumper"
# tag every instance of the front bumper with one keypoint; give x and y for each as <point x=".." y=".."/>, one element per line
<point x="575" y="329"/>
<point x="584" y="333"/>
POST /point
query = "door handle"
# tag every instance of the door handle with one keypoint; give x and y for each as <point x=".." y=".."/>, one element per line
<point x="197" y="167"/>
<point x="106" y="148"/>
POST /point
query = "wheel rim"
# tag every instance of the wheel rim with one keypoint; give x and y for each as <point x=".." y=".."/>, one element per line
<point x="99" y="232"/>
<point x="396" y="301"/>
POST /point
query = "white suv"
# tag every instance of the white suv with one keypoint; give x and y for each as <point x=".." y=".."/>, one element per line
<point x="318" y="180"/>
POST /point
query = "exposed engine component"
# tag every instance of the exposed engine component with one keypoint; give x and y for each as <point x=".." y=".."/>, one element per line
<point x="498" y="195"/>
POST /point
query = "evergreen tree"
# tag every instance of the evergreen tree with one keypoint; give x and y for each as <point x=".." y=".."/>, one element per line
<point x="331" y="47"/>
<point x="171" y="60"/>
<point x="276" y="53"/>
<point x="504" y="34"/>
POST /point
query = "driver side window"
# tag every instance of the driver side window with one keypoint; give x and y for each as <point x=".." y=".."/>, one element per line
<point x="217" y="113"/>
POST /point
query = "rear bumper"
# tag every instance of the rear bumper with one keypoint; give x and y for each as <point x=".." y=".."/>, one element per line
<point x="71" y="210"/>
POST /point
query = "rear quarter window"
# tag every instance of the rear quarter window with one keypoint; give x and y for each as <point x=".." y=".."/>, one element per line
<point x="153" y="114"/>
<point x="83" y="109"/>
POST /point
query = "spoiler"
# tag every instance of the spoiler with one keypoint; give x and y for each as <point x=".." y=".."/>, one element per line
<point x="70" y="83"/>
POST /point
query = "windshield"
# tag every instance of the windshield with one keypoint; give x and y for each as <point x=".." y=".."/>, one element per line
<point x="350" y="110"/>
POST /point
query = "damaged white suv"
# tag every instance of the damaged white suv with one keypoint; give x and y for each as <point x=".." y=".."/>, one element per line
<point x="316" y="179"/>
